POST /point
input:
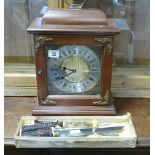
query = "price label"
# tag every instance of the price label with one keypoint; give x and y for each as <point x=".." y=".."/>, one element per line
<point x="75" y="132"/>
<point x="53" y="53"/>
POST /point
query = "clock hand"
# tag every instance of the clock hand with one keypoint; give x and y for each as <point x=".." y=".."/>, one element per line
<point x="65" y="68"/>
<point x="66" y="75"/>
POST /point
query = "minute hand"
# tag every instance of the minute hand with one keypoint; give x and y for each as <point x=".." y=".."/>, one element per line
<point x="67" y="75"/>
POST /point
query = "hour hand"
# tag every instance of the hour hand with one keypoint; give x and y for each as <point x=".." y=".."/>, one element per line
<point x="65" y="68"/>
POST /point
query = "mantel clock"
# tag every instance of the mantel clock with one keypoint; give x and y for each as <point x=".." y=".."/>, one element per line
<point x="73" y="57"/>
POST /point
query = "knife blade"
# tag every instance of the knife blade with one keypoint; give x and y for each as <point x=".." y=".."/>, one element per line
<point x="107" y="131"/>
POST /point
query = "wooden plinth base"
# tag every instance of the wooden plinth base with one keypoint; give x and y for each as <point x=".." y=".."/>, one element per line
<point x="74" y="110"/>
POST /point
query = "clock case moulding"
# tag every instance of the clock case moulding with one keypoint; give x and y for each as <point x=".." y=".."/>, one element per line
<point x="74" y="27"/>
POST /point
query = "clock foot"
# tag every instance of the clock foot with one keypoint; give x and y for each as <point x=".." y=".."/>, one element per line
<point x="74" y="110"/>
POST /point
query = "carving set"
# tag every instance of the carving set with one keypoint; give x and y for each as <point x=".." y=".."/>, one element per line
<point x="70" y="129"/>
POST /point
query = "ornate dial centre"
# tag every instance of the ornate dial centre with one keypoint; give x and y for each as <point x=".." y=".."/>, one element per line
<point x="77" y="67"/>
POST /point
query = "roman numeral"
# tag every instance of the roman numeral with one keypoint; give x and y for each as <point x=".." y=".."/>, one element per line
<point x="74" y="87"/>
<point x="58" y="78"/>
<point x="65" y="84"/>
<point x="91" y="60"/>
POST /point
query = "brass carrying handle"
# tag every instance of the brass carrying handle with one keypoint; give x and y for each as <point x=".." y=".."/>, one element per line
<point x="74" y="6"/>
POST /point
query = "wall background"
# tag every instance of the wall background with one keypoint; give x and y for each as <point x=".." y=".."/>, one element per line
<point x="132" y="46"/>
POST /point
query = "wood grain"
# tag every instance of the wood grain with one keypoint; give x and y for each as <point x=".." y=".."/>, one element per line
<point x="74" y="110"/>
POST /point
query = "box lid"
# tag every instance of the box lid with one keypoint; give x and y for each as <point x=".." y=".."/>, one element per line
<point x="73" y="21"/>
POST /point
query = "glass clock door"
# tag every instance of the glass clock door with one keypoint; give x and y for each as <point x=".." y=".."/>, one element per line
<point x="73" y="69"/>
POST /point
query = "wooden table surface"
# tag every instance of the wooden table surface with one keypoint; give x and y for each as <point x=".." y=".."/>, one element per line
<point x="15" y="107"/>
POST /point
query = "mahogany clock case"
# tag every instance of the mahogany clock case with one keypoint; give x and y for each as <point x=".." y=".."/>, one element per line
<point x="48" y="32"/>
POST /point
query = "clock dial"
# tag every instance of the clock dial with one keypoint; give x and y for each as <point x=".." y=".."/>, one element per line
<point x="76" y="69"/>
